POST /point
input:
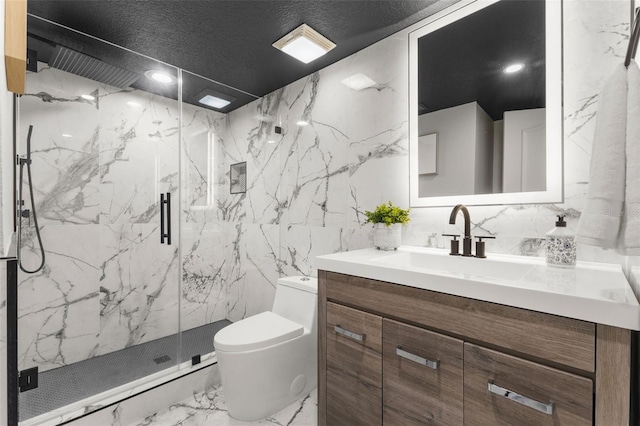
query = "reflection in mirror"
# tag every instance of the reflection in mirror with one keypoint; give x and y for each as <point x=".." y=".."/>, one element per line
<point x="485" y="108"/>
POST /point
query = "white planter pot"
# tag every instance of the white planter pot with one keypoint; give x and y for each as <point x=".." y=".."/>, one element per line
<point x="387" y="237"/>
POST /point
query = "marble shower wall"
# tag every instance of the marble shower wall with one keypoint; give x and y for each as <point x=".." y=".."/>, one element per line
<point x="98" y="166"/>
<point x="307" y="191"/>
<point x="206" y="243"/>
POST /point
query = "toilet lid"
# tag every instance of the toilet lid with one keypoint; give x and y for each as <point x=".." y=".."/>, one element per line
<point x="256" y="332"/>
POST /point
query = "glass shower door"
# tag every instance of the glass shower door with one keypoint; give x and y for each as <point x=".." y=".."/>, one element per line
<point x="103" y="311"/>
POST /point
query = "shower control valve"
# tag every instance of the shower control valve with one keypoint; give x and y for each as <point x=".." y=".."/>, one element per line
<point x="24" y="160"/>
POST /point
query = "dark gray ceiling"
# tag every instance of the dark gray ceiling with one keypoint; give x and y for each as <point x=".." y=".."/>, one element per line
<point x="224" y="40"/>
<point x="464" y="61"/>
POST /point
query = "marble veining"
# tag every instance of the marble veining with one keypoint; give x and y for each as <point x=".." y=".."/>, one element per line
<point x="58" y="307"/>
<point x="98" y="166"/>
<point x="138" y="289"/>
<point x="204" y="273"/>
<point x="209" y="408"/>
<point x="315" y="182"/>
<point x="306" y="195"/>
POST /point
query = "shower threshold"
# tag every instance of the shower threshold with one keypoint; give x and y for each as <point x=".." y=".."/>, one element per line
<point x="74" y="390"/>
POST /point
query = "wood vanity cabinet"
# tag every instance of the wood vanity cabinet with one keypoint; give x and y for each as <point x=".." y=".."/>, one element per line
<point x="546" y="396"/>
<point x="354" y="367"/>
<point x="396" y="355"/>
<point x="422" y="376"/>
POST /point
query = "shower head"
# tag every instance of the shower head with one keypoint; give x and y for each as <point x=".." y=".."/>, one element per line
<point x="29" y="144"/>
<point x="69" y="60"/>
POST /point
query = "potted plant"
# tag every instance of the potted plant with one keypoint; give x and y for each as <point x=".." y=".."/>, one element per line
<point x="387" y="222"/>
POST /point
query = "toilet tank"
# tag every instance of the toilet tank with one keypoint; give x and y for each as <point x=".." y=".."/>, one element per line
<point x="297" y="300"/>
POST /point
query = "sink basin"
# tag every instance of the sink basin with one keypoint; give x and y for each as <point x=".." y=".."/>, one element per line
<point x="593" y="292"/>
<point x="469" y="266"/>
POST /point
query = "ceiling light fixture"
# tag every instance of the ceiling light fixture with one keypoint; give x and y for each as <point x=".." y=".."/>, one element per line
<point x="160" y="76"/>
<point x="66" y="135"/>
<point x="513" y="68"/>
<point x="88" y="97"/>
<point x="214" y="101"/>
<point x="302" y="123"/>
<point x="133" y="104"/>
<point x="304" y="43"/>
<point x="358" y="82"/>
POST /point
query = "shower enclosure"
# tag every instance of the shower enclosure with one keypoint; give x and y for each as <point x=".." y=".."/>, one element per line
<point x="123" y="176"/>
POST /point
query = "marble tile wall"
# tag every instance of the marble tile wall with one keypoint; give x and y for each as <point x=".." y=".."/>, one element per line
<point x="315" y="182"/>
<point x="107" y="283"/>
<point x="206" y="243"/>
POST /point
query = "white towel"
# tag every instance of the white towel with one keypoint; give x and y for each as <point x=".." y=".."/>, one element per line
<point x="629" y="241"/>
<point x="600" y="220"/>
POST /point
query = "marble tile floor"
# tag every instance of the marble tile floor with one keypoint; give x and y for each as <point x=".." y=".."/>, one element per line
<point x="209" y="408"/>
<point x="80" y="380"/>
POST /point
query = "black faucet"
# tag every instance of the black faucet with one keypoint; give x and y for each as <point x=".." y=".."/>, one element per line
<point x="466" y="242"/>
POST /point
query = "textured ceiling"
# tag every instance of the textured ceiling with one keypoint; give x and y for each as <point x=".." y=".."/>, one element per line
<point x="228" y="41"/>
<point x="464" y="61"/>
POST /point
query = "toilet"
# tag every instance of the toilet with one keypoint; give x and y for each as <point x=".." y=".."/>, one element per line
<point x="269" y="360"/>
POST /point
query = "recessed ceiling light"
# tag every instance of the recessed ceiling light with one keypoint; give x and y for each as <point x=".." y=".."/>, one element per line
<point x="358" y="81"/>
<point x="214" y="101"/>
<point x="304" y="43"/>
<point x="88" y="97"/>
<point x="513" y="68"/>
<point x="271" y="141"/>
<point x="133" y="104"/>
<point x="66" y="135"/>
<point x="302" y="123"/>
<point x="160" y="76"/>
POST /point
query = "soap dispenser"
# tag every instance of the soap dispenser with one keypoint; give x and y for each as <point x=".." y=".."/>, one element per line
<point x="560" y="246"/>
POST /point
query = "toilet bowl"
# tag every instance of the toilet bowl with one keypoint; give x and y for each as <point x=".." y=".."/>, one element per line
<point x="269" y="360"/>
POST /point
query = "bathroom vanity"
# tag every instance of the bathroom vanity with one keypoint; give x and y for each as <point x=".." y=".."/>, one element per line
<point x="419" y="337"/>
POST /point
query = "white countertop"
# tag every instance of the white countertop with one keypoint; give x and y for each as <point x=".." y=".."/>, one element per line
<point x="595" y="292"/>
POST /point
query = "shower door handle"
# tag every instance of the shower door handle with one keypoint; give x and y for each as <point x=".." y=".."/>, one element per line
<point x="165" y="216"/>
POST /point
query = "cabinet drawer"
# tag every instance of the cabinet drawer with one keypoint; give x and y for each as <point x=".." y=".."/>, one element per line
<point x="560" y="340"/>
<point x="354" y="367"/>
<point x="352" y="402"/>
<point x="504" y="390"/>
<point x="422" y="376"/>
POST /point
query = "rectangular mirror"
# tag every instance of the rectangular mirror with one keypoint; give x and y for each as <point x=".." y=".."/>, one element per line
<point x="485" y="105"/>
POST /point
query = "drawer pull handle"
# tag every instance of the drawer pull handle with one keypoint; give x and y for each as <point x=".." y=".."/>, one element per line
<point x="349" y="334"/>
<point x="521" y="399"/>
<point x="417" y="358"/>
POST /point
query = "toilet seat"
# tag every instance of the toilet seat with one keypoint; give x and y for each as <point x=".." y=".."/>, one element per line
<point x="258" y="331"/>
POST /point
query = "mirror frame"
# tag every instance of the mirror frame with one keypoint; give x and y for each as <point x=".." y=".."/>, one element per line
<point x="554" y="116"/>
